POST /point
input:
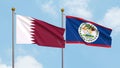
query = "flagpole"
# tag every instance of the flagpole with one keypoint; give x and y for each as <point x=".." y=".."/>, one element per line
<point x="62" y="18"/>
<point x="13" y="12"/>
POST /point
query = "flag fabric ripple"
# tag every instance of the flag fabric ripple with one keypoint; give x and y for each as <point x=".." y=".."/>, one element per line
<point x="79" y="30"/>
<point x="33" y="31"/>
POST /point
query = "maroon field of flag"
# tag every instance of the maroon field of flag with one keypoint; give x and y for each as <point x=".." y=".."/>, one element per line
<point x="33" y="31"/>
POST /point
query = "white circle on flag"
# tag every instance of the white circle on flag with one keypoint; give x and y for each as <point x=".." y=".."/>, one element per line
<point x="88" y="32"/>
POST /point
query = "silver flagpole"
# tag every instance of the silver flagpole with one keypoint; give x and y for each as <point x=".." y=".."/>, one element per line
<point x="62" y="18"/>
<point x="13" y="12"/>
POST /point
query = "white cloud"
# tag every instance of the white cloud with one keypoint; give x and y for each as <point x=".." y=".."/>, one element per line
<point x="27" y="62"/>
<point x="24" y="62"/>
<point x="72" y="7"/>
<point x="4" y="66"/>
<point x="112" y="19"/>
<point x="78" y="8"/>
<point x="48" y="7"/>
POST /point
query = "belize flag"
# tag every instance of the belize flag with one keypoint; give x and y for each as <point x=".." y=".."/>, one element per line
<point x="82" y="31"/>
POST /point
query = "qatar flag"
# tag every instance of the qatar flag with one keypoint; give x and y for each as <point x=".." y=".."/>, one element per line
<point x="33" y="31"/>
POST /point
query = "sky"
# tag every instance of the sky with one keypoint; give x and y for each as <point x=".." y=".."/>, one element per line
<point x="104" y="12"/>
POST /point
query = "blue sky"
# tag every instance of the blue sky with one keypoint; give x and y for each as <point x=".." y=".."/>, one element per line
<point x="105" y="12"/>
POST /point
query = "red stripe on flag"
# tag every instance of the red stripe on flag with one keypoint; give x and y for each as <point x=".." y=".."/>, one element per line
<point x="47" y="35"/>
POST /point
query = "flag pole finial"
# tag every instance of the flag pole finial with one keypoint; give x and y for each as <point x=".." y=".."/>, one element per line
<point x="62" y="10"/>
<point x="13" y="9"/>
